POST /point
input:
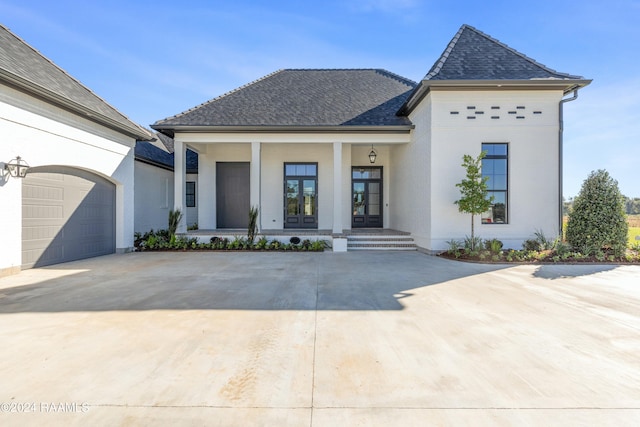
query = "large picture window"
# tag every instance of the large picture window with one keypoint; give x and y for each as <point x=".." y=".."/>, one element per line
<point x="495" y="166"/>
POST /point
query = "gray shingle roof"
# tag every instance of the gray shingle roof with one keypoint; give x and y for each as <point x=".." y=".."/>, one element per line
<point x="160" y="153"/>
<point x="473" y="55"/>
<point x="307" y="97"/>
<point x="27" y="69"/>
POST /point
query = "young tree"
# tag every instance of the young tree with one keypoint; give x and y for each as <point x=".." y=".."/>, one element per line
<point x="598" y="219"/>
<point x="473" y="190"/>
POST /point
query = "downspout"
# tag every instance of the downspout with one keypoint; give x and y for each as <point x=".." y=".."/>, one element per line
<point x="560" y="150"/>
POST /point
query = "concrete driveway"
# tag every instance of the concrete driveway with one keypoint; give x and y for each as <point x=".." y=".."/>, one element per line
<point x="302" y="339"/>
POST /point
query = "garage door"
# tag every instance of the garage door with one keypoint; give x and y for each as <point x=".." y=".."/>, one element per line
<point x="67" y="214"/>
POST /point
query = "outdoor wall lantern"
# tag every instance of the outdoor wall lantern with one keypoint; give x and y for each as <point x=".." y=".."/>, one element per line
<point x="17" y="167"/>
<point x="372" y="155"/>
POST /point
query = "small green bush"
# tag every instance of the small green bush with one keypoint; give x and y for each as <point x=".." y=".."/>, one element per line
<point x="540" y="242"/>
<point x="455" y="247"/>
<point x="472" y="244"/>
<point x="562" y="248"/>
<point x="262" y="243"/>
<point x="494" y="246"/>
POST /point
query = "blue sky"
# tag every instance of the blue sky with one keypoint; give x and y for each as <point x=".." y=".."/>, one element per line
<point x="154" y="59"/>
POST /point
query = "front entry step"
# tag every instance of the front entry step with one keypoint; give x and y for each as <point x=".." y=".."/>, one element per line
<point x="365" y="242"/>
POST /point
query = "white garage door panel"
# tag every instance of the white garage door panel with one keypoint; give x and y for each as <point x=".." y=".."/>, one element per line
<point x="67" y="214"/>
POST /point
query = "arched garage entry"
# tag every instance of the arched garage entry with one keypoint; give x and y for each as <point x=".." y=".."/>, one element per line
<point x="67" y="214"/>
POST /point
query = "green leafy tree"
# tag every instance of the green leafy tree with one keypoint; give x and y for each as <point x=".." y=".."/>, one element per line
<point x="598" y="220"/>
<point x="473" y="189"/>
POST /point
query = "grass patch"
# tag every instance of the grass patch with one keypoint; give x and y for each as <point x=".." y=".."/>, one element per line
<point x="634" y="228"/>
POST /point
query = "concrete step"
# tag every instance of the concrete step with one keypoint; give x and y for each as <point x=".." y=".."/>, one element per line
<point x="380" y="243"/>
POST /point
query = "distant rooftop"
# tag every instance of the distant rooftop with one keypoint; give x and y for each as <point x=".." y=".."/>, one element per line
<point x="161" y="153"/>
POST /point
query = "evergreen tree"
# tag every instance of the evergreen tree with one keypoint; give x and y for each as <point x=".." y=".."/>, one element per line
<point x="598" y="220"/>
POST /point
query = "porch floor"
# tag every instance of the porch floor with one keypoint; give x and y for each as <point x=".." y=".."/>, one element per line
<point x="298" y="232"/>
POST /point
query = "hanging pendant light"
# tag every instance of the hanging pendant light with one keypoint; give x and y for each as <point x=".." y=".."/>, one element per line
<point x="372" y="155"/>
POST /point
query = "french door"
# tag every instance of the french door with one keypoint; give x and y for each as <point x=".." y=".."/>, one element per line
<point x="366" y="196"/>
<point x="301" y="195"/>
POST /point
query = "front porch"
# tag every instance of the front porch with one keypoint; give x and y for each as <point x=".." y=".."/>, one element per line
<point x="324" y="183"/>
<point x="348" y="240"/>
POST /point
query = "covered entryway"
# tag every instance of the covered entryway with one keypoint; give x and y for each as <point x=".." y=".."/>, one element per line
<point x="67" y="214"/>
<point x="232" y="194"/>
<point x="366" y="197"/>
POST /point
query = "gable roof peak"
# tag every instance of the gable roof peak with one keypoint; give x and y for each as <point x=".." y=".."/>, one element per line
<point x="474" y="55"/>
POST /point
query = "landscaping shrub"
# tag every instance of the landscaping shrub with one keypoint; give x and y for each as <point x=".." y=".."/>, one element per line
<point x="493" y="245"/>
<point x="472" y="244"/>
<point x="252" y="229"/>
<point x="598" y="220"/>
<point x="540" y="243"/>
<point x="175" y="216"/>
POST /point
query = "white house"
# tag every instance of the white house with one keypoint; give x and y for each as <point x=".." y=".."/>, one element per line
<point x="153" y="186"/>
<point x="77" y="198"/>
<point x="297" y="144"/>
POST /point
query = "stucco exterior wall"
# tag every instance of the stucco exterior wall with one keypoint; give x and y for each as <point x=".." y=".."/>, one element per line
<point x="528" y="122"/>
<point x="45" y="135"/>
<point x="410" y="179"/>
<point x="153" y="197"/>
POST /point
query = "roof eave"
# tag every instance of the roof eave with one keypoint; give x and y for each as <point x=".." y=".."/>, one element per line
<point x="567" y="85"/>
<point x="279" y="129"/>
<point x="53" y="98"/>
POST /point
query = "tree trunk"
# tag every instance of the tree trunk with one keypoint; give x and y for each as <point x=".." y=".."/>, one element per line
<point x="473" y="241"/>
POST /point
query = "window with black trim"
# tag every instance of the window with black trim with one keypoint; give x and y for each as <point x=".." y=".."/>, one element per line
<point x="191" y="194"/>
<point x="495" y="166"/>
<point x="300" y="195"/>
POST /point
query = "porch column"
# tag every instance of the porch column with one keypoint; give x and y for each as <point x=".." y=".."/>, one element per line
<point x="254" y="186"/>
<point x="337" y="187"/>
<point x="179" y="179"/>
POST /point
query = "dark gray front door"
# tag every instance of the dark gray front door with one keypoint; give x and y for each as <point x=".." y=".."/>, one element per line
<point x="366" y="197"/>
<point x="232" y="194"/>
<point x="67" y="214"/>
